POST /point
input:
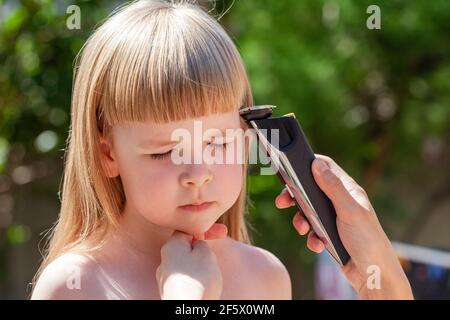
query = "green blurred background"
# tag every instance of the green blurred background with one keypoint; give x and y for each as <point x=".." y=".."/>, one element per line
<point x="377" y="101"/>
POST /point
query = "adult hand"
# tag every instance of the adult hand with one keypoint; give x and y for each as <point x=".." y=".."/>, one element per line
<point x="360" y="232"/>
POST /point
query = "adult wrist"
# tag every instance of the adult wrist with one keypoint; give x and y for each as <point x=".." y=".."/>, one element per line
<point x="394" y="285"/>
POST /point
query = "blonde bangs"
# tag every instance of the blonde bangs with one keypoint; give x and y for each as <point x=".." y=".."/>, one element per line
<point x="172" y="65"/>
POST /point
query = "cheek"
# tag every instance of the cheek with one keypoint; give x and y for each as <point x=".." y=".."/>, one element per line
<point x="156" y="187"/>
<point x="229" y="179"/>
<point x="148" y="186"/>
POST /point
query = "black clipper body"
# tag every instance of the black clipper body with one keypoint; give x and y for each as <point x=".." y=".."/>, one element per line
<point x="292" y="159"/>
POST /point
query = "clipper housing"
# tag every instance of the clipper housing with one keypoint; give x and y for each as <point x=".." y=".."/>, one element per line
<point x="292" y="159"/>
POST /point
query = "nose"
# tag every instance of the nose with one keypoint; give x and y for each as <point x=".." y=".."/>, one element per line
<point x="196" y="175"/>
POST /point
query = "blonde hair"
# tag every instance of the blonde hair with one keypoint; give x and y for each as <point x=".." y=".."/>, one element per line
<point x="150" y="60"/>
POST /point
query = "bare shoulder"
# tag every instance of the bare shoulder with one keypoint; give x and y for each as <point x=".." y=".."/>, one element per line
<point x="70" y="276"/>
<point x="264" y="268"/>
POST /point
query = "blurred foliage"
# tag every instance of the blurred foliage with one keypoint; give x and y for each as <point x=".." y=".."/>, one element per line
<point x="377" y="101"/>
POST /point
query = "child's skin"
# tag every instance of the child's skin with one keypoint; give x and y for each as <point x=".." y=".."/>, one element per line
<point x="126" y="266"/>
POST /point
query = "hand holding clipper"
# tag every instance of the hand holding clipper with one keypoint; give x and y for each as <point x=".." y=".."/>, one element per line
<point x="292" y="157"/>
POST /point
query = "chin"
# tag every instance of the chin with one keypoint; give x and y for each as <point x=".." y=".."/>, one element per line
<point x="194" y="228"/>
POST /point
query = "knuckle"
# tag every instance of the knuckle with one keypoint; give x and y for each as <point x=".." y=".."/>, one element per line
<point x="367" y="209"/>
<point x="360" y="191"/>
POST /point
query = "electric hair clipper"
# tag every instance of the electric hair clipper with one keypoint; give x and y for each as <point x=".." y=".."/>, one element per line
<point x="292" y="159"/>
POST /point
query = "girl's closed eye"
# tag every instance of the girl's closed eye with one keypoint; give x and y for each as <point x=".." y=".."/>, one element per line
<point x="162" y="156"/>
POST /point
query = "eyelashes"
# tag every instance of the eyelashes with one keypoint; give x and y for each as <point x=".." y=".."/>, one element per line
<point x="162" y="156"/>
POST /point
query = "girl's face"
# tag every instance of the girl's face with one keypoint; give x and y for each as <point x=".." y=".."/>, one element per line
<point x="156" y="187"/>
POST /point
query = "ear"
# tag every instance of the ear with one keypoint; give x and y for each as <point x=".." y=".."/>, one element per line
<point x="109" y="160"/>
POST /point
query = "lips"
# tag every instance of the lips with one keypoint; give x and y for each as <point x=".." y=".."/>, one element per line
<point x="195" y="207"/>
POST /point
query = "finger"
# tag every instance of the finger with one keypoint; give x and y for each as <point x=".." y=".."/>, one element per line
<point x="300" y="224"/>
<point x="334" y="166"/>
<point x="284" y="200"/>
<point x="314" y="243"/>
<point x="200" y="247"/>
<point x="216" y="232"/>
<point x="330" y="180"/>
<point x="348" y="182"/>
<point x="199" y="236"/>
<point x="178" y="241"/>
<point x="181" y="236"/>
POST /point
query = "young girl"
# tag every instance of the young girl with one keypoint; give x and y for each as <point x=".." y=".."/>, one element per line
<point x="151" y="68"/>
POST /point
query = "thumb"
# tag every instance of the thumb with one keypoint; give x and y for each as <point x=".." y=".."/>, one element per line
<point x="331" y="184"/>
<point x="216" y="232"/>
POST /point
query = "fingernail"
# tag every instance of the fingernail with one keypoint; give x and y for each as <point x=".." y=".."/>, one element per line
<point x="321" y="166"/>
